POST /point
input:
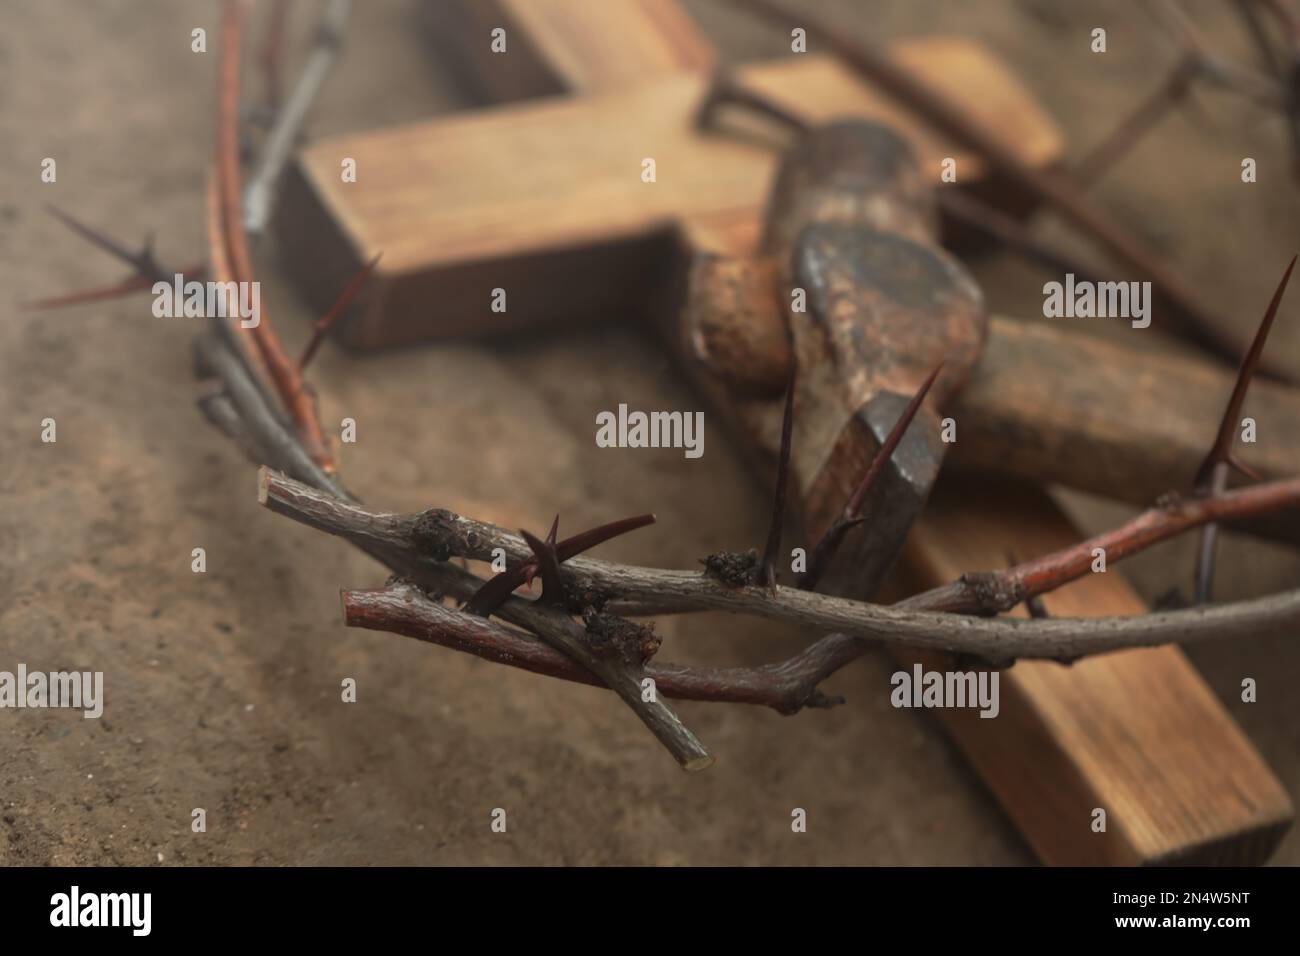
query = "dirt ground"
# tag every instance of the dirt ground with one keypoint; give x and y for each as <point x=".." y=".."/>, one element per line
<point x="223" y="688"/>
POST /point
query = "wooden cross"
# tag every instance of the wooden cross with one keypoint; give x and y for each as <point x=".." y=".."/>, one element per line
<point x="543" y="197"/>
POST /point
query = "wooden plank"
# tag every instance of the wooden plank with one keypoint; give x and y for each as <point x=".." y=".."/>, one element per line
<point x="546" y="199"/>
<point x="1137" y="733"/>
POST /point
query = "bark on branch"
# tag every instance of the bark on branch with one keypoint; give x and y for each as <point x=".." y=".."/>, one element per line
<point x="787" y="686"/>
<point x="431" y="537"/>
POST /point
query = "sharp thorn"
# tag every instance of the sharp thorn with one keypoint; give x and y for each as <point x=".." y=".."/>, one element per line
<point x="767" y="564"/>
<point x="95" y="236"/>
<point x="326" y="322"/>
<point x="494" y="592"/>
<point x="572" y="547"/>
<point x="891" y="443"/>
<point x="498" y="588"/>
<point x="1242" y="468"/>
<point x="549" y="565"/>
<point x="825" y="549"/>
<point x="1222" y="447"/>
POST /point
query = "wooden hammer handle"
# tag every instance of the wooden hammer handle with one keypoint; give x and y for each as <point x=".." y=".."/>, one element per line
<point x="1060" y="406"/>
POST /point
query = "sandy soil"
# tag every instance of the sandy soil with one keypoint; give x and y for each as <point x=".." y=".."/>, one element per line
<point x="223" y="688"/>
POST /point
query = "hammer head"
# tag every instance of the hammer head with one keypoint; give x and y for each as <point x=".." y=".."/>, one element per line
<point x="882" y="312"/>
<point x="872" y="305"/>
<point x="852" y="223"/>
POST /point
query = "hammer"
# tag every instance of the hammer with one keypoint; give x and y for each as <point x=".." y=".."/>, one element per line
<point x="851" y="285"/>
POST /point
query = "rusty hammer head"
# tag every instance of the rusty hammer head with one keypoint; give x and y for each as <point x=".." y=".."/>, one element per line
<point x="868" y="305"/>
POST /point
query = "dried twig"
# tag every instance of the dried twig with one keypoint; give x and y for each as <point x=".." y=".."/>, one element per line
<point x="1288" y="70"/>
<point x="146" y="268"/>
<point x="126" y="287"/>
<point x="786" y="687"/>
<point x="554" y="626"/>
<point x="1174" y="88"/>
<point x="259" y="199"/>
<point x="304" y="440"/>
<point x="272" y="56"/>
<point x="495" y="590"/>
<point x="1255" y="86"/>
<point x="1283" y="61"/>
<point x="1249" y="12"/>
<point x="1053" y="188"/>
<point x="420" y="544"/>
<point x="298" y="399"/>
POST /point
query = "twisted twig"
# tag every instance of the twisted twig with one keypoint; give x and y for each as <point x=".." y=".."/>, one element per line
<point x="425" y="541"/>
